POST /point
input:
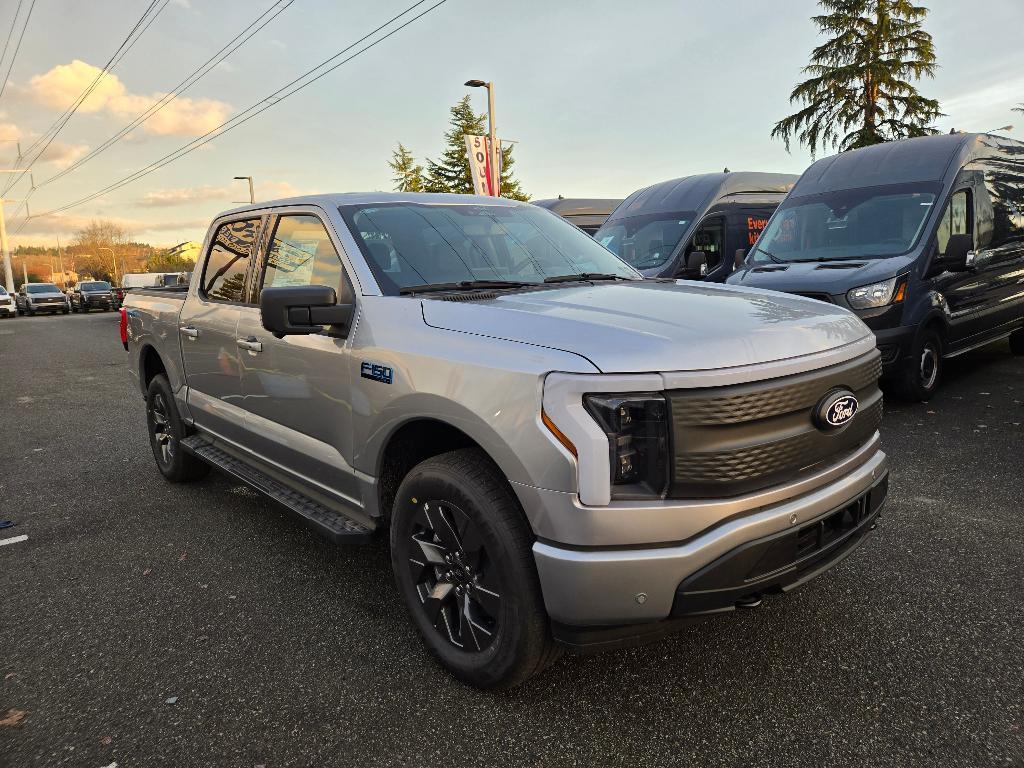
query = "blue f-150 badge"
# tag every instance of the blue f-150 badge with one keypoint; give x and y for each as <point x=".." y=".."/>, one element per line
<point x="377" y="372"/>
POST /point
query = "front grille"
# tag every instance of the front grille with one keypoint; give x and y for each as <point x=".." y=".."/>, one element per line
<point x="739" y="439"/>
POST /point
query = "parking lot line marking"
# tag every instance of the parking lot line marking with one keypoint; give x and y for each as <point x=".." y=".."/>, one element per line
<point x="13" y="540"/>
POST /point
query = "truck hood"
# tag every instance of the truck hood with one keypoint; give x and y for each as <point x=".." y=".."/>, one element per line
<point x="832" y="277"/>
<point x="647" y="326"/>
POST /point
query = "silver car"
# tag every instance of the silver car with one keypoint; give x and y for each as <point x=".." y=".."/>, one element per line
<point x="7" y="306"/>
<point x="41" y="297"/>
<point x="562" y="453"/>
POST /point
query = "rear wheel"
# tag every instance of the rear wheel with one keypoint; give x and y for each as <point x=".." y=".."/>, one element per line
<point x="1017" y="342"/>
<point x="166" y="431"/>
<point x="922" y="372"/>
<point x="462" y="557"/>
<point x="83" y="309"/>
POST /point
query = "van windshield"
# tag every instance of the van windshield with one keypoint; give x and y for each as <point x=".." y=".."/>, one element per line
<point x="871" y="223"/>
<point x="645" y="242"/>
<point x="413" y="244"/>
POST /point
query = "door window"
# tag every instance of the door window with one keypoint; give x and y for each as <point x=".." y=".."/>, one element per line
<point x="301" y="253"/>
<point x="955" y="219"/>
<point x="709" y="238"/>
<point x="232" y="249"/>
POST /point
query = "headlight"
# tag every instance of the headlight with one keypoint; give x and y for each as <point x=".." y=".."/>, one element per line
<point x="638" y="444"/>
<point x="878" y="294"/>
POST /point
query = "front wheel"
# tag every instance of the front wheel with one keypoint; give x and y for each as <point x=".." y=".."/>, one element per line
<point x="922" y="372"/>
<point x="462" y="557"/>
<point x="166" y="430"/>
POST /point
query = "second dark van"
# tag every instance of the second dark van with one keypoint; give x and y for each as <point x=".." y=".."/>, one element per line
<point x="923" y="239"/>
<point x="658" y="229"/>
<point x="586" y="213"/>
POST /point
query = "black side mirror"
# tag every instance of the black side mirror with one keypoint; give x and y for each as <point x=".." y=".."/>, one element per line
<point x="303" y="309"/>
<point x="697" y="265"/>
<point x="739" y="258"/>
<point x="959" y="253"/>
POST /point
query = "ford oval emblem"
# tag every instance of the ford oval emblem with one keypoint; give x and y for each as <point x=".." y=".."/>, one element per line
<point x="836" y="409"/>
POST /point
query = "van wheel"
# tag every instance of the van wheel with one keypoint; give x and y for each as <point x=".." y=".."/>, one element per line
<point x="921" y="374"/>
<point x="166" y="431"/>
<point x="462" y="557"/>
<point x="1017" y="342"/>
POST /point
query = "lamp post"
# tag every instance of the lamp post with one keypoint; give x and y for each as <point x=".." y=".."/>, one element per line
<point x="491" y="128"/>
<point x="113" y="258"/>
<point x="252" y="194"/>
<point x="8" y="272"/>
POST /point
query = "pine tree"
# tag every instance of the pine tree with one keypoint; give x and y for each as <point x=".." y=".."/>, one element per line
<point x="451" y="173"/>
<point x="408" y="174"/>
<point x="1019" y="109"/>
<point x="861" y="86"/>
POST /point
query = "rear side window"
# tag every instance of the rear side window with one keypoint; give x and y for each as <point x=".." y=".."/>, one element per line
<point x="301" y="253"/>
<point x="955" y="219"/>
<point x="232" y="249"/>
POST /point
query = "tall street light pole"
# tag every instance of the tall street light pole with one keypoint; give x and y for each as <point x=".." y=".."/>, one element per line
<point x="252" y="194"/>
<point x="491" y="128"/>
<point x="8" y="272"/>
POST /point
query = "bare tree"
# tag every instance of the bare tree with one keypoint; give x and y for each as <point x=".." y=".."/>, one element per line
<point x="90" y="244"/>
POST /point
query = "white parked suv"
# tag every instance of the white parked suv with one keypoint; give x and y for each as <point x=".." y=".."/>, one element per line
<point x="7" y="305"/>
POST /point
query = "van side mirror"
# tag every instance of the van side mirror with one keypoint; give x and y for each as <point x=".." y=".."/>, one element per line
<point x="959" y="253"/>
<point x="739" y="258"/>
<point x="303" y="309"/>
<point x="696" y="265"/>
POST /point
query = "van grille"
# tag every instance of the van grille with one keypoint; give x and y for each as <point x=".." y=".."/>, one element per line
<point x="742" y="438"/>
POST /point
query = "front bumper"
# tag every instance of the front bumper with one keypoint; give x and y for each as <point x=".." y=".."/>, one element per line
<point x="55" y="307"/>
<point x="7" y="309"/>
<point x="895" y="345"/>
<point x="609" y="587"/>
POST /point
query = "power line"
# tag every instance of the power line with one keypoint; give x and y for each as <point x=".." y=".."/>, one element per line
<point x="275" y="98"/>
<point x="126" y="45"/>
<point x="14" y="23"/>
<point x="199" y="73"/>
<point x="17" y="48"/>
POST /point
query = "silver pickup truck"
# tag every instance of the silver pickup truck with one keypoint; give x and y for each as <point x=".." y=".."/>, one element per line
<point x="562" y="453"/>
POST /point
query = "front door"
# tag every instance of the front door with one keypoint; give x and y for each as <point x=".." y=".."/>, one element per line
<point x="296" y="390"/>
<point x="709" y="237"/>
<point x="964" y="290"/>
<point x="208" y="326"/>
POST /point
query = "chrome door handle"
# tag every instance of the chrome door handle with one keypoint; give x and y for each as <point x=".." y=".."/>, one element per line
<point x="251" y="344"/>
<point x="188" y="330"/>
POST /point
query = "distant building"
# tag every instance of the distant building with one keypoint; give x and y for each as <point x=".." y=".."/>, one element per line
<point x="188" y="250"/>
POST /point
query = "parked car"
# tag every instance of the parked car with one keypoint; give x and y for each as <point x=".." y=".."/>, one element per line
<point x="92" y="294"/>
<point x="562" y="453"/>
<point x="586" y="213"/>
<point x="923" y="239"/>
<point x="154" y="279"/>
<point x="692" y="227"/>
<point x="7" y="305"/>
<point x="41" y="297"/>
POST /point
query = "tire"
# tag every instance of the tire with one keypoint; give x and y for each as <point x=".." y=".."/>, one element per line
<point x="480" y="527"/>
<point x="31" y="312"/>
<point x="65" y="311"/>
<point x="921" y="375"/>
<point x="1017" y="342"/>
<point x="83" y="309"/>
<point x="166" y="431"/>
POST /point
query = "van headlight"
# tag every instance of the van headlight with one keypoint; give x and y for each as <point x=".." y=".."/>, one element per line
<point x="878" y="294"/>
<point x="638" y="442"/>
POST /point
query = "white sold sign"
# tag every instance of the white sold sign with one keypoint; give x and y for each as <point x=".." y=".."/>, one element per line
<point x="480" y="164"/>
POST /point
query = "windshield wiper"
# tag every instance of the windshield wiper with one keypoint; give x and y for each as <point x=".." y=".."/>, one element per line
<point x="584" y="276"/>
<point x="771" y="256"/>
<point x="462" y="285"/>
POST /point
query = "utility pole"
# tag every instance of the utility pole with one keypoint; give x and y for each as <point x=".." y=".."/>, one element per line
<point x="60" y="262"/>
<point x="8" y="274"/>
<point x="113" y="258"/>
<point x="252" y="193"/>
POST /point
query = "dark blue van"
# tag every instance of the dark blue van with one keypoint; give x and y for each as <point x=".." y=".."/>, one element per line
<point x="922" y="238"/>
<point x="693" y="226"/>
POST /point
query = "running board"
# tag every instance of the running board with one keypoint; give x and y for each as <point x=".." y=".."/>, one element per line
<point x="332" y="525"/>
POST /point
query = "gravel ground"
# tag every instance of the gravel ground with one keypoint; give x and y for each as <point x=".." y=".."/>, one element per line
<point x="278" y="650"/>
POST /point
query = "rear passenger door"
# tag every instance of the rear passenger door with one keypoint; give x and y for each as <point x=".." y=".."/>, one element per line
<point x="296" y="390"/>
<point x="208" y="327"/>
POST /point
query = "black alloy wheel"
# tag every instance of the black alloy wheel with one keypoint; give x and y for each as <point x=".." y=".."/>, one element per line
<point x="166" y="431"/>
<point x="160" y="432"/>
<point x="453" y="576"/>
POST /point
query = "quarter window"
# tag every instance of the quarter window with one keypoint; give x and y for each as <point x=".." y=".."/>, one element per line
<point x="230" y="254"/>
<point x="301" y="253"/>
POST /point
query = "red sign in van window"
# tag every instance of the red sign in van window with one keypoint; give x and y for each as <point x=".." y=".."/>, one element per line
<point x="755" y="226"/>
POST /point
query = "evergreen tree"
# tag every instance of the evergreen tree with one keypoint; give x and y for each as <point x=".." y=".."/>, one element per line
<point x="861" y="86"/>
<point x="408" y="174"/>
<point x="1019" y="109"/>
<point x="451" y="173"/>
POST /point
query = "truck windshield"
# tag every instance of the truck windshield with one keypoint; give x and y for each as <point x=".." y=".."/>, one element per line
<point x="870" y="223"/>
<point x="42" y="288"/>
<point x="97" y="286"/>
<point x="413" y="244"/>
<point x="646" y="242"/>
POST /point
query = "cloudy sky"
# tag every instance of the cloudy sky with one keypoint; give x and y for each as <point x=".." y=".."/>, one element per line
<point x="603" y="96"/>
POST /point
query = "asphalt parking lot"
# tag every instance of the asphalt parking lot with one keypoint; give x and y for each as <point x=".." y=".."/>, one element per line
<point x="148" y="624"/>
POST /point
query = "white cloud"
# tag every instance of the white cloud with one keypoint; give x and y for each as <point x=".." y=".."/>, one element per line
<point x="60" y="154"/>
<point x="167" y="198"/>
<point x="61" y="86"/>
